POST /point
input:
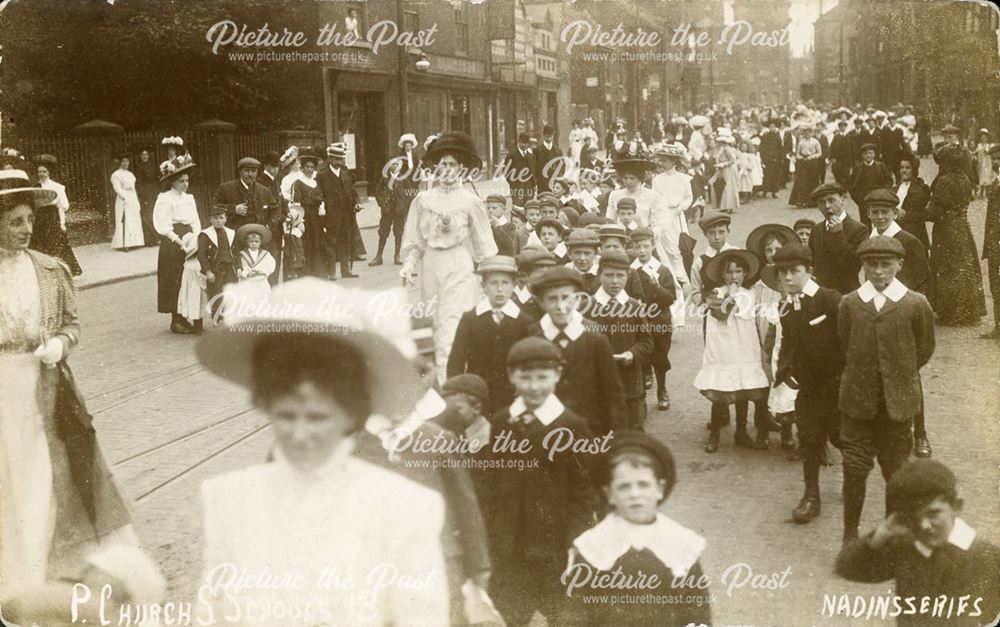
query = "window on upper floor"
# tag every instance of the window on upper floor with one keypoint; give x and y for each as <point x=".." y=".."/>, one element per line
<point x="462" y="29"/>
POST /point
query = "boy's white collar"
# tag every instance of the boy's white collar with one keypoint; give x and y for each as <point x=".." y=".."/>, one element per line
<point x="890" y="230"/>
<point x="546" y="413"/>
<point x="673" y="544"/>
<point x="604" y="298"/>
<point x="711" y="252"/>
<point x="961" y="536"/>
<point x="573" y="329"/>
<point x="895" y="291"/>
<point x="509" y="309"/>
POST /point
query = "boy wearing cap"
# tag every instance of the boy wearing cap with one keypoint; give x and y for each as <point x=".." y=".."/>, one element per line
<point x="215" y="255"/>
<point x="624" y="321"/>
<point x="944" y="573"/>
<point x="509" y="237"/>
<point x="533" y="213"/>
<point x="614" y="239"/>
<point x="583" y="244"/>
<point x="537" y="501"/>
<point x="715" y="226"/>
<point x="626" y="215"/>
<point x="591" y="385"/>
<point x="804" y="228"/>
<point x="531" y="263"/>
<point x="809" y="360"/>
<point x="868" y="175"/>
<point x="467" y="397"/>
<point x="486" y="333"/>
<point x="834" y="242"/>
<point x="887" y="334"/>
<point x="550" y="233"/>
<point x="883" y="208"/>
<point x="661" y="292"/>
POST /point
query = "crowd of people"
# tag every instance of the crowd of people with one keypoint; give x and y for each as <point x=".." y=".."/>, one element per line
<point x="551" y="314"/>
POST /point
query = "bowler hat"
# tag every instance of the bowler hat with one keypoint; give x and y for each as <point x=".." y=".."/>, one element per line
<point x="259" y="229"/>
<point x="248" y="162"/>
<point x="471" y="384"/>
<point x="534" y="351"/>
<point x="456" y="144"/>
<point x="628" y="440"/>
<point x="827" y="188"/>
<point x="497" y="263"/>
<point x="271" y="158"/>
<point x="556" y="277"/>
<point x="793" y="254"/>
<point x="713" y="218"/>
<point x="881" y="198"/>
<point x="881" y="246"/>
<point x="716" y="266"/>
<point x="758" y="238"/>
<point x="917" y="483"/>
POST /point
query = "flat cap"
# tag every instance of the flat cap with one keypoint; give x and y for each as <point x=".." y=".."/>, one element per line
<point x="827" y="188"/>
<point x="588" y="218"/>
<point x="641" y="233"/>
<point x="582" y="238"/>
<point x="804" y="223"/>
<point x="864" y="147"/>
<point x="917" y="483"/>
<point x="557" y="277"/>
<point x="612" y="230"/>
<point x="614" y="259"/>
<point x="532" y="257"/>
<point x="712" y="218"/>
<point x="792" y="254"/>
<point x="496" y="198"/>
<point x="471" y="384"/>
<point x="626" y="441"/>
<point x="497" y="263"/>
<point x="519" y="212"/>
<point x="248" y="162"/>
<point x="881" y="246"/>
<point x="534" y="352"/>
<point x="881" y="198"/>
<point x="216" y="209"/>
<point x="547" y="198"/>
<point x="551" y="222"/>
<point x="531" y="203"/>
<point x="626" y="203"/>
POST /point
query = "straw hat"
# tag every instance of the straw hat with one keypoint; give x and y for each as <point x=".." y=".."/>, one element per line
<point x="15" y="188"/>
<point x="259" y="229"/>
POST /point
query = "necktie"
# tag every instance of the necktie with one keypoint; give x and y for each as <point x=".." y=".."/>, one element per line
<point x="562" y="339"/>
<point x="524" y="419"/>
<point x="497" y="316"/>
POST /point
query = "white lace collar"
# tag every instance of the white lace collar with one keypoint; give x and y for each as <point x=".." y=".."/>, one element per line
<point x="673" y="544"/>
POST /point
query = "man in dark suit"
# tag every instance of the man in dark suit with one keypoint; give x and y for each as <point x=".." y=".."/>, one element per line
<point x="339" y="211"/>
<point x="868" y="175"/>
<point x="247" y="201"/>
<point x="893" y="146"/>
<point x="788" y="151"/>
<point x="887" y="335"/>
<point x="519" y="170"/>
<point x="841" y="154"/>
<point x="397" y="189"/>
<point x="545" y="153"/>
<point x="269" y="179"/>
<point x="771" y="155"/>
<point x="833" y="243"/>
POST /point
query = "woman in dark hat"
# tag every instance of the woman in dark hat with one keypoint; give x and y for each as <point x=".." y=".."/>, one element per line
<point x="128" y="224"/>
<point x="447" y="232"/>
<point x="306" y="197"/>
<point x="914" y="194"/>
<point x="50" y="235"/>
<point x="147" y="186"/>
<point x="174" y="215"/>
<point x="957" y="279"/>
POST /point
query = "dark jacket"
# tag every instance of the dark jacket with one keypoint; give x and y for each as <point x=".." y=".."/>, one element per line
<point x="543" y="171"/>
<point x="810" y="346"/>
<point x="915" y="203"/>
<point x="627" y="328"/>
<point x="916" y="271"/>
<point x="208" y="254"/>
<point x="339" y="196"/>
<point x="262" y="206"/>
<point x="835" y="261"/>
<point x="519" y="170"/>
<point x="884" y="352"/>
<point x="866" y="178"/>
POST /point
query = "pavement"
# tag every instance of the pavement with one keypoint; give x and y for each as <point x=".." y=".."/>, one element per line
<point x="166" y="425"/>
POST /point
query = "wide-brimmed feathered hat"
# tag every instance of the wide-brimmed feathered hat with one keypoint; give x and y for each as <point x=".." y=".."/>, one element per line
<point x="758" y="238"/>
<point x="172" y="168"/>
<point x="634" y="166"/>
<point x="456" y="144"/>
<point x="716" y="266"/>
<point x="309" y="154"/>
<point x="15" y="188"/>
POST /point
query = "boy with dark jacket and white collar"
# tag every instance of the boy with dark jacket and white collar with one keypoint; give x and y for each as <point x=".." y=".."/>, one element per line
<point x="810" y="360"/>
<point x="583" y="245"/>
<point x="532" y="261"/>
<point x="216" y="246"/>
<point x="535" y="502"/>
<point x="887" y="335"/>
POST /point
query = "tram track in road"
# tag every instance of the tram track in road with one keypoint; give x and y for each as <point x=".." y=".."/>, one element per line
<point x="197" y="370"/>
<point x="181" y="438"/>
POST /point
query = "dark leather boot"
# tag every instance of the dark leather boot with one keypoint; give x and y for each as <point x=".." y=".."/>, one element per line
<point x="808" y="508"/>
<point x="713" y="441"/>
<point x="922" y="446"/>
<point x="179" y="325"/>
<point x="743" y="439"/>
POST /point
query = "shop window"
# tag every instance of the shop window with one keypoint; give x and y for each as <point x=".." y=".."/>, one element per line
<point x="356" y="19"/>
<point x="459" y="118"/>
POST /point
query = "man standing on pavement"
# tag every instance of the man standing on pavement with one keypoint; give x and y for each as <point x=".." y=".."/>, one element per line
<point x="545" y="167"/>
<point x="397" y="189"/>
<point x="269" y="179"/>
<point x="339" y="210"/>
<point x="247" y="201"/>
<point x="835" y="241"/>
<point x="841" y="154"/>
<point x="771" y="155"/>
<point x="518" y="169"/>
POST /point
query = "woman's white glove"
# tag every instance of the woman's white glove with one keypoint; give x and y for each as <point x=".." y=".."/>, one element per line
<point x="51" y="352"/>
<point x="407" y="273"/>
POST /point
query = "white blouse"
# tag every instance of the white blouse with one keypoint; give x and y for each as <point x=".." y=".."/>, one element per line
<point x="20" y="306"/>
<point x="172" y="207"/>
<point x="62" y="201"/>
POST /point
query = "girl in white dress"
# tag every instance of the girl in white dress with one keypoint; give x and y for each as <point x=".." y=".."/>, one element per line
<point x="732" y="370"/>
<point x="128" y="222"/>
<point x="575" y="143"/>
<point x="255" y="264"/>
<point x="191" y="299"/>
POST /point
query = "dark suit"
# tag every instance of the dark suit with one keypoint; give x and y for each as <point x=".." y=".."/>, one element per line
<point x="842" y="154"/>
<point x="262" y="206"/>
<point x="772" y="152"/>
<point x="914" y="204"/>
<point x="893" y="147"/>
<point x="481" y="346"/>
<point x="543" y="157"/>
<point x="835" y="261"/>
<point x="627" y="330"/>
<point x="519" y="170"/>
<point x="340" y="201"/>
<point x="277" y="232"/>
<point x="867" y="178"/>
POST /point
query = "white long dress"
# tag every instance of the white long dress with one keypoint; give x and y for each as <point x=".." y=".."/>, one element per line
<point x="575" y="145"/>
<point x="128" y="223"/>
<point x="731" y="366"/>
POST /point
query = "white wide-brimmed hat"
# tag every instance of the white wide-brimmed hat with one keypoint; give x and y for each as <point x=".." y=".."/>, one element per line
<point x="15" y="187"/>
<point x="698" y="121"/>
<point x="375" y="323"/>
<point x="407" y="137"/>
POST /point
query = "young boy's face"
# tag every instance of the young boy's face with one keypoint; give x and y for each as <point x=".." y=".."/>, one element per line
<point x="634" y="492"/>
<point x="468" y="408"/>
<point x="831" y="205"/>
<point x="868" y="155"/>
<point x="803" y="232"/>
<point x="550" y="237"/>
<point x="253" y="241"/>
<point x="582" y="257"/>
<point x="534" y="214"/>
<point x="535" y="384"/>
<point x="498" y="287"/>
<point x="932" y="524"/>
<point x="612" y="244"/>
<point x="770" y="248"/>
<point x="549" y="212"/>
<point x="558" y="302"/>
<point x="734" y="274"/>
<point x="626" y="215"/>
<point x="495" y="209"/>
<point x="794" y="278"/>
<point x="218" y="220"/>
<point x="643" y="249"/>
<point x="881" y="216"/>
<point x="881" y="270"/>
<point x="613" y="280"/>
<point x="717" y="235"/>
<point x="606" y="187"/>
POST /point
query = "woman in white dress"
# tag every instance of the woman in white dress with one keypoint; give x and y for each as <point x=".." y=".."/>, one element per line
<point x="364" y="541"/>
<point x="447" y="232"/>
<point x="128" y="216"/>
<point x="575" y="143"/>
<point x="174" y="215"/>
